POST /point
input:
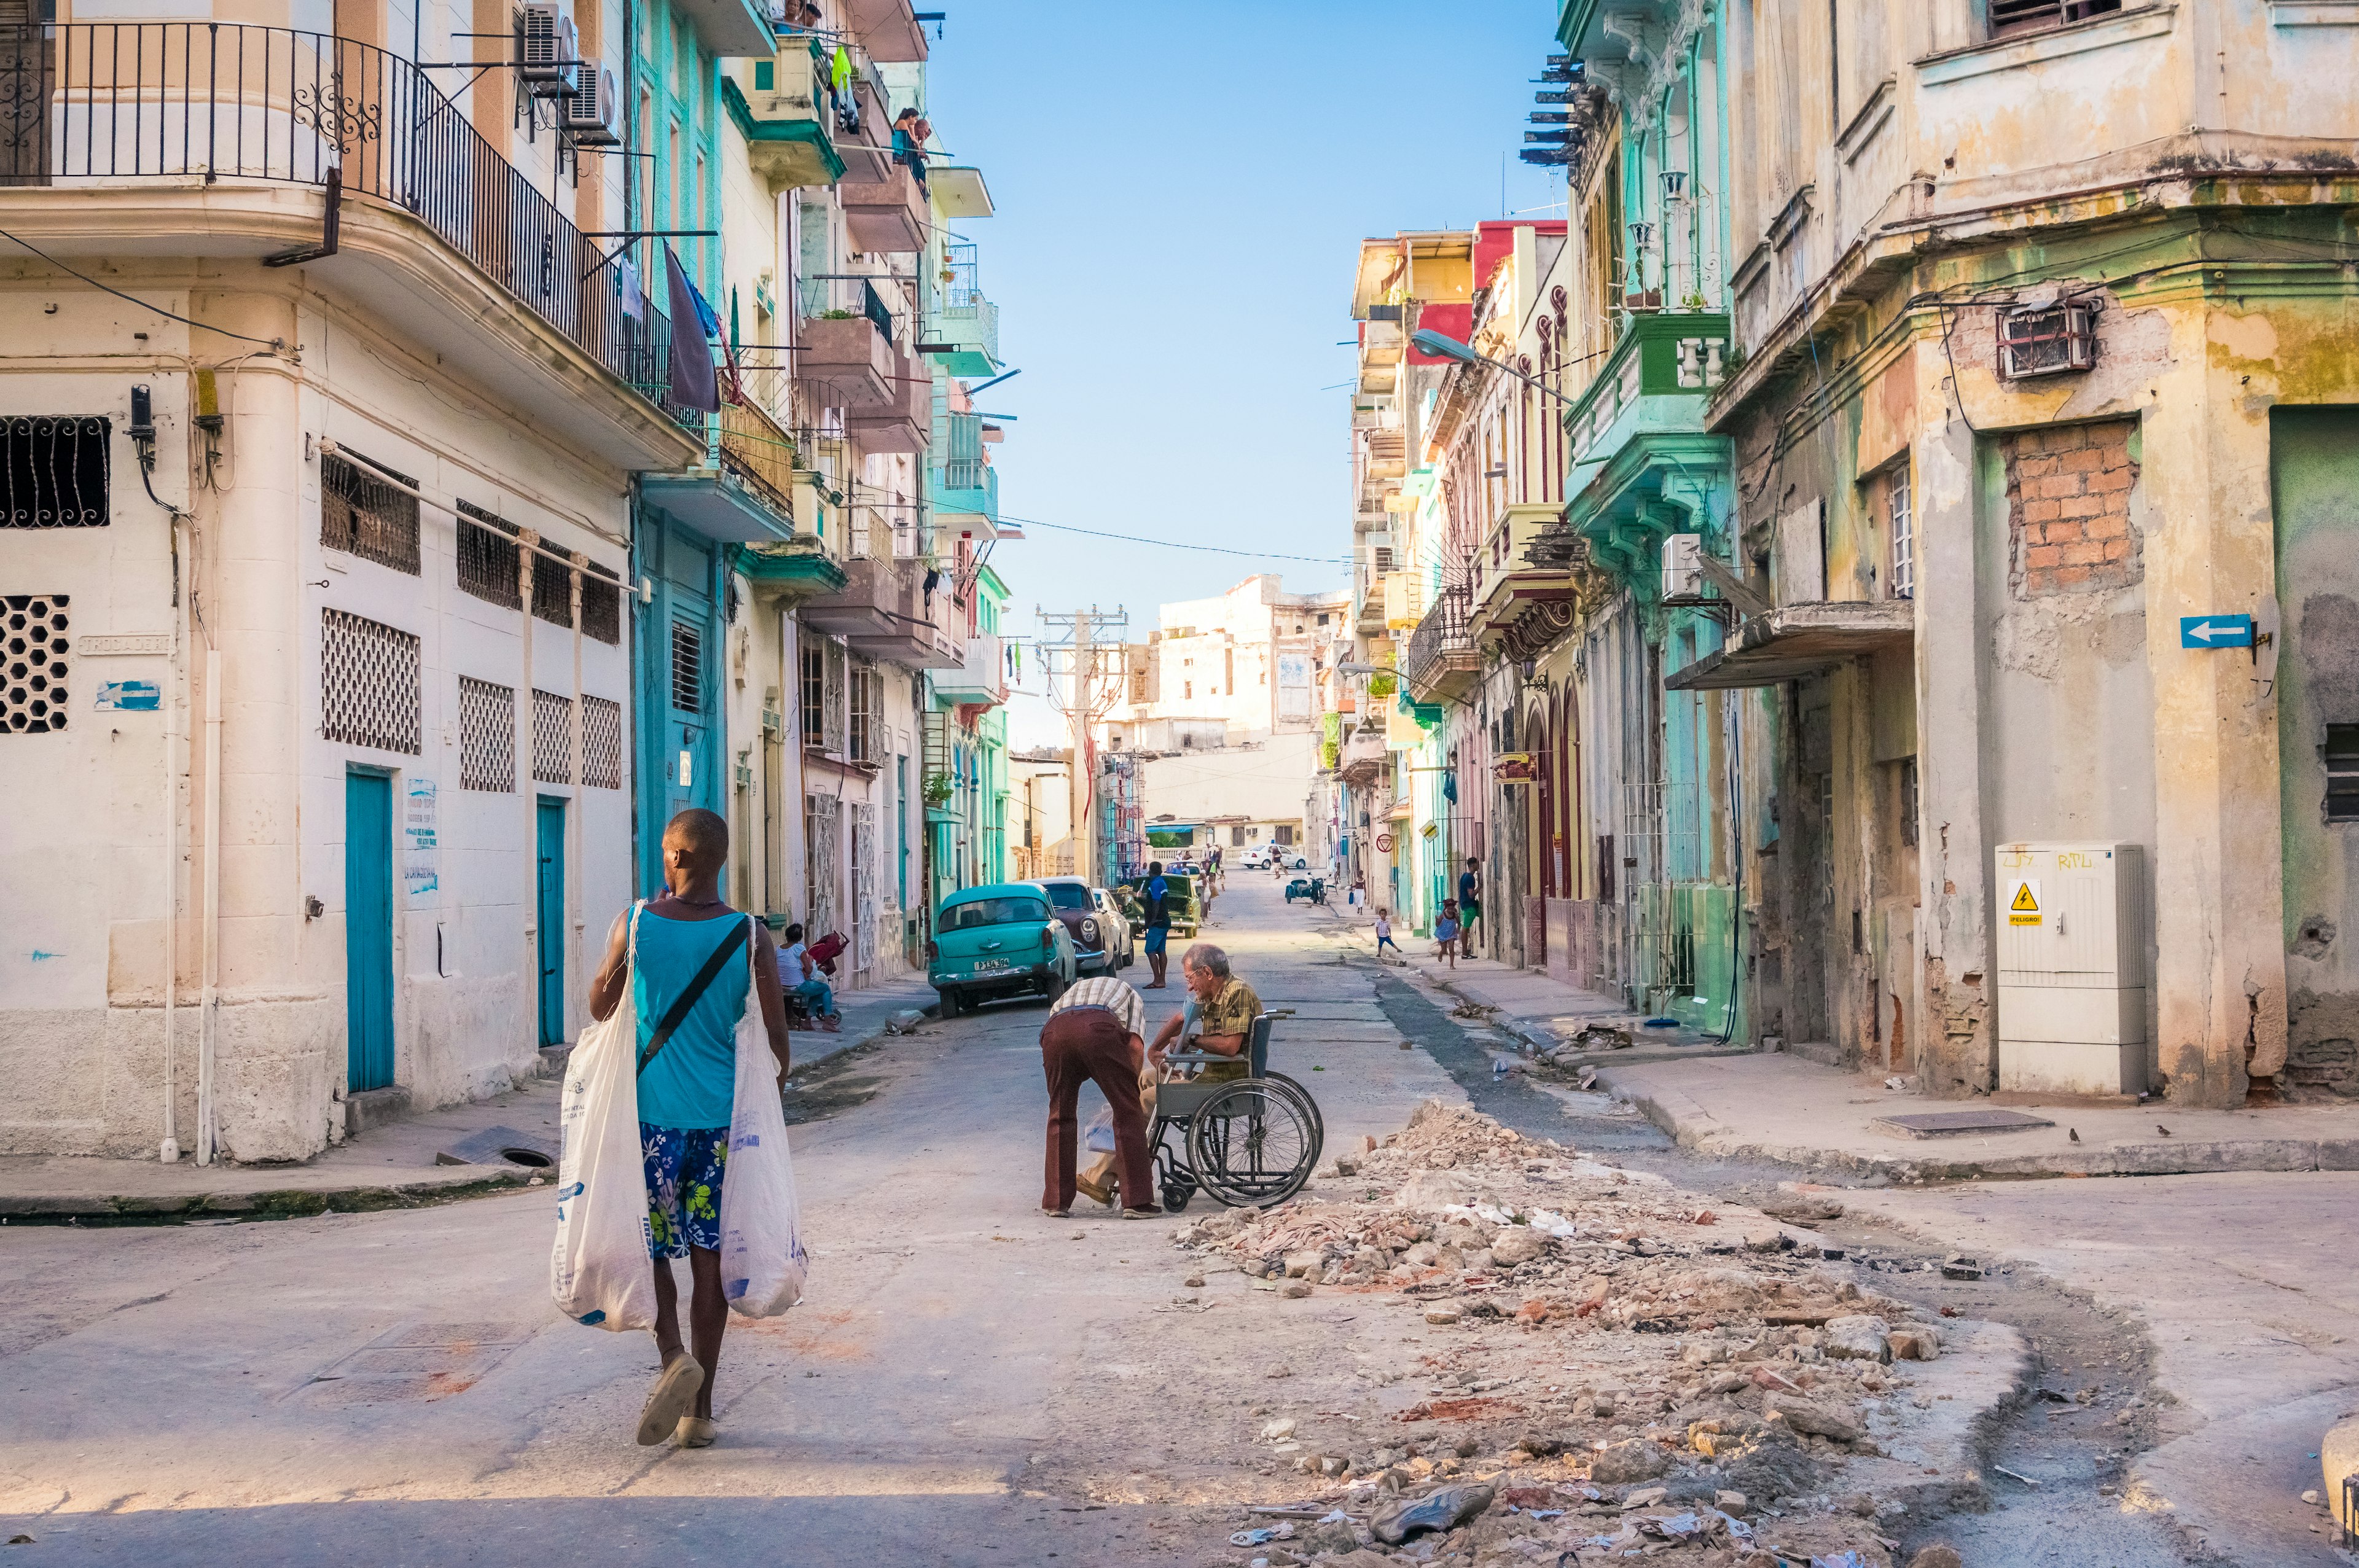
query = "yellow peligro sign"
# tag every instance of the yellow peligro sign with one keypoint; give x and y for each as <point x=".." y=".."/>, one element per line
<point x="2023" y="909"/>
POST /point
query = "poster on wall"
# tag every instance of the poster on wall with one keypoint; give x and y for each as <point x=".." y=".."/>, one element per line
<point x="421" y="840"/>
<point x="1294" y="688"/>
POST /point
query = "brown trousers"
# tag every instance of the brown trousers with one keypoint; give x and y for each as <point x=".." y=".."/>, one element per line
<point x="1090" y="1042"/>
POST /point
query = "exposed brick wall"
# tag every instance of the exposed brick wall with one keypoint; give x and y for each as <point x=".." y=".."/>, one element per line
<point x="2068" y="509"/>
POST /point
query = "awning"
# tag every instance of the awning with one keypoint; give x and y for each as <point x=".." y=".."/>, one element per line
<point x="1399" y="813"/>
<point x="1797" y="639"/>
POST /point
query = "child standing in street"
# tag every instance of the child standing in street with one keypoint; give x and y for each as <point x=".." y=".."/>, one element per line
<point x="1445" y="931"/>
<point x="1384" y="935"/>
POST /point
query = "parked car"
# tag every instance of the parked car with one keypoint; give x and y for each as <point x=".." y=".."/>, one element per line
<point x="1074" y="901"/>
<point x="1254" y="859"/>
<point x="998" y="940"/>
<point x="1114" y="920"/>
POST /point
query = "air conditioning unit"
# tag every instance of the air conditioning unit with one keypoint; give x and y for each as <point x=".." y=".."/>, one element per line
<point x="1684" y="570"/>
<point x="588" y="113"/>
<point x="2071" y="941"/>
<point x="2047" y="340"/>
<point x="546" y="50"/>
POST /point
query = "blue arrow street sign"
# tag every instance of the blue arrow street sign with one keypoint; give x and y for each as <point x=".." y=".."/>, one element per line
<point x="2215" y="630"/>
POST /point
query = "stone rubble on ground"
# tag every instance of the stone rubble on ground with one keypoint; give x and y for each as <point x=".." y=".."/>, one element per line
<point x="1686" y="1383"/>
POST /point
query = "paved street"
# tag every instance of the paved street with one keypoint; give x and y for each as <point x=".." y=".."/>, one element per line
<point x="174" y="1385"/>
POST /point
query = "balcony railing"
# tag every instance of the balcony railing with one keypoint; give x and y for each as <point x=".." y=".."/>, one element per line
<point x="1443" y="660"/>
<point x="87" y="102"/>
<point x="754" y="447"/>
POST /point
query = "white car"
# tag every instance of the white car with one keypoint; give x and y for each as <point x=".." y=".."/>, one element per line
<point x="1254" y="859"/>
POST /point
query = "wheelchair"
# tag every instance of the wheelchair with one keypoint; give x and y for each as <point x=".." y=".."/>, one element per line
<point x="1250" y="1141"/>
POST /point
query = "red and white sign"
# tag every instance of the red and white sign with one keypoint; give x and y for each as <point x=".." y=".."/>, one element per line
<point x="1384" y="843"/>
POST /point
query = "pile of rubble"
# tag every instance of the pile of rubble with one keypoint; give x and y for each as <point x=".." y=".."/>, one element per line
<point x="1688" y="1382"/>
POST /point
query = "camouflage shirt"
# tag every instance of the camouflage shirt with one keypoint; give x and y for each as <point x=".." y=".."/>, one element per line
<point x="1232" y="1012"/>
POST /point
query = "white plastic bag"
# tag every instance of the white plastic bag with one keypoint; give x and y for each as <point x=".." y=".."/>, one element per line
<point x="763" y="1264"/>
<point x="1098" y="1136"/>
<point x="598" y="1272"/>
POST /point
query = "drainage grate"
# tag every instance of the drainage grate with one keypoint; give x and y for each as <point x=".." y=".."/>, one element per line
<point x="601" y="743"/>
<point x="1950" y="1123"/>
<point x="417" y="1362"/>
<point x="552" y="736"/>
<point x="368" y="684"/>
<point x="33" y="676"/>
<point x="486" y="735"/>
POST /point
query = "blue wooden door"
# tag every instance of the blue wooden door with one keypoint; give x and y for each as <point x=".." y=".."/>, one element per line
<point x="551" y="920"/>
<point x="368" y="930"/>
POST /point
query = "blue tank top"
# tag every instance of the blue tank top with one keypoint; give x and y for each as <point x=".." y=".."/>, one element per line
<point x="692" y="1084"/>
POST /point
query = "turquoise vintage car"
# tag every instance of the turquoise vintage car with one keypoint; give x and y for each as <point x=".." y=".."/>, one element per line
<point x="997" y="941"/>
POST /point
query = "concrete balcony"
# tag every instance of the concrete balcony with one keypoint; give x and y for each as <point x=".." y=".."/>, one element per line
<point x="889" y="30"/>
<point x="845" y="362"/>
<point x="964" y="339"/>
<point x="1442" y="663"/>
<point x="743" y="493"/>
<point x="884" y="611"/>
<point x="905" y="424"/>
<point x="966" y="498"/>
<point x="888" y="217"/>
<point x="1363" y="759"/>
<point x="981" y="677"/>
<point x="781" y="106"/>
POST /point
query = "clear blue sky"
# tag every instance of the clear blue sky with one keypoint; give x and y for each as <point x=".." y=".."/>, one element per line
<point x="1180" y="192"/>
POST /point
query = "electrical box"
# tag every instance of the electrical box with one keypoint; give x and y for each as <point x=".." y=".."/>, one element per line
<point x="2072" y="941"/>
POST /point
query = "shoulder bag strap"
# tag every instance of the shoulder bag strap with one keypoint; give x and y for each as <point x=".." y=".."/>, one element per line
<point x="678" y="1010"/>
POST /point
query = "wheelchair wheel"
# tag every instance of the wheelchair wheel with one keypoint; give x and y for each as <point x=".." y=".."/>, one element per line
<point x="1301" y="1092"/>
<point x="1177" y="1189"/>
<point x="1252" y="1143"/>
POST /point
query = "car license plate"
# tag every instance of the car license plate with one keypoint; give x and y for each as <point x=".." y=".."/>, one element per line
<point x="985" y="965"/>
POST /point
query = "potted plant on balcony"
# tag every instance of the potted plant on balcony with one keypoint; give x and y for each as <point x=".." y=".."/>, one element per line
<point x="937" y="790"/>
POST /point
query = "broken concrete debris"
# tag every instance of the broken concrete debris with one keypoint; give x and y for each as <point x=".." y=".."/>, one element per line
<point x="1604" y="1363"/>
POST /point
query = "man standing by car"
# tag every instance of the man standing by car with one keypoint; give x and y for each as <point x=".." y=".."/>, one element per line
<point x="1470" y="903"/>
<point x="1093" y="1032"/>
<point x="1158" y="922"/>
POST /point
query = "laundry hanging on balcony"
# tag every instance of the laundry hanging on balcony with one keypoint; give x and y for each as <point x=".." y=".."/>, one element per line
<point x="693" y="383"/>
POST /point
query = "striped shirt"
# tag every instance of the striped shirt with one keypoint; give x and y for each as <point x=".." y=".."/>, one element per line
<point x="1115" y="996"/>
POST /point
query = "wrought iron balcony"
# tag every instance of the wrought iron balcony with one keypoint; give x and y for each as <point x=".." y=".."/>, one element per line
<point x="1443" y="661"/>
<point x="208" y="104"/>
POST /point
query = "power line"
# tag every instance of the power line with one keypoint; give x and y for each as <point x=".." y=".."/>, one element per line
<point x="1175" y="544"/>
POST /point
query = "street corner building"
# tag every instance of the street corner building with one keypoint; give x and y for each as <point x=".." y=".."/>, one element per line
<point x="411" y="501"/>
<point x="1876" y="581"/>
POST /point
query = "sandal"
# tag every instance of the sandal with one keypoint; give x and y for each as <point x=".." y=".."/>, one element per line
<point x="670" y="1399"/>
<point x="696" y="1432"/>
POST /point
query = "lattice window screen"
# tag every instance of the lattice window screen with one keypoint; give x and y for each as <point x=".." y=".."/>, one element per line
<point x="368" y="684"/>
<point x="552" y="736"/>
<point x="364" y="514"/>
<point x="822" y="857"/>
<point x="486" y="735"/>
<point x="33" y="696"/>
<point x="835" y="701"/>
<point x="602" y="606"/>
<point x="552" y="591"/>
<point x="601" y="743"/>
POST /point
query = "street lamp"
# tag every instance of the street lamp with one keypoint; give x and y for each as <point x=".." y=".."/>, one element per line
<point x="1441" y="346"/>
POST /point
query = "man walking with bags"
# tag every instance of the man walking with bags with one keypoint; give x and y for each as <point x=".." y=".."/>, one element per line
<point x="689" y="990"/>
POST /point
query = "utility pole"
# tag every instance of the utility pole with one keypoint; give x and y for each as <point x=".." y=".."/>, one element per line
<point x="1071" y="646"/>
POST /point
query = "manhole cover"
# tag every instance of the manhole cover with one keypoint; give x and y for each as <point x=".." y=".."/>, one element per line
<point x="1950" y="1123"/>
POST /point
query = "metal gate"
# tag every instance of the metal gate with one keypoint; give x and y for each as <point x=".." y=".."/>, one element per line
<point x="864" y="890"/>
<point x="822" y="856"/>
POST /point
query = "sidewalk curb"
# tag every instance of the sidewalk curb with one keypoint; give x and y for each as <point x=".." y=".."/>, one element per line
<point x="278" y="1203"/>
<point x="1690" y="1126"/>
<point x="838" y="1045"/>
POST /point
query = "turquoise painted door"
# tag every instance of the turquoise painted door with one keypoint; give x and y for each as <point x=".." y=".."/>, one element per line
<point x="551" y="919"/>
<point x="368" y="931"/>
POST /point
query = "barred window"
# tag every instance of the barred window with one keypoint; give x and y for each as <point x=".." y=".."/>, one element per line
<point x="55" y="472"/>
<point x="368" y="684"/>
<point x="814" y="704"/>
<point x="601" y="604"/>
<point x="601" y="743"/>
<point x="552" y="736"/>
<point x="862" y="704"/>
<point x="1902" y="524"/>
<point x="687" y="666"/>
<point x="33" y="694"/>
<point x="486" y="735"/>
<point x="552" y="591"/>
<point x="488" y="557"/>
<point x="363" y="512"/>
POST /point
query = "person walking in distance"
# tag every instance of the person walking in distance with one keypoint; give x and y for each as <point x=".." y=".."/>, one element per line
<point x="689" y="990"/>
<point x="1095" y="1030"/>
<point x="1384" y="937"/>
<point x="1158" y="922"/>
<point x="1470" y="902"/>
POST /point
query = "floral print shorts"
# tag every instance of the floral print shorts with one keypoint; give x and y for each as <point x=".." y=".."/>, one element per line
<point x="684" y="1169"/>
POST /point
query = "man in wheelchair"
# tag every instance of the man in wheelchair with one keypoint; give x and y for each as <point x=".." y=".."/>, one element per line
<point x="1217" y="1021"/>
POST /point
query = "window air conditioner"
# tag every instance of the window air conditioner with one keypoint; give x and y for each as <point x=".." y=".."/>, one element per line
<point x="545" y="53"/>
<point x="2047" y="341"/>
<point x="587" y="114"/>
<point x="1684" y="570"/>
